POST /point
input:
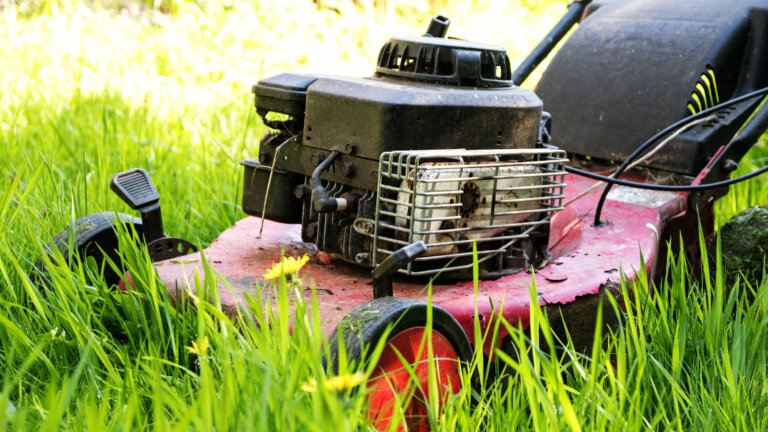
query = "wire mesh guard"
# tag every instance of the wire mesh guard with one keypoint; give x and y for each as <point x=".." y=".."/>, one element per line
<point x="450" y="199"/>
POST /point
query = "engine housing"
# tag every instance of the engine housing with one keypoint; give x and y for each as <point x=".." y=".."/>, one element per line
<point x="438" y="146"/>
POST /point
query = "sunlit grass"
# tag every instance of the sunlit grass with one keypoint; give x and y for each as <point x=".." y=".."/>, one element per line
<point x="750" y="193"/>
<point x="90" y="91"/>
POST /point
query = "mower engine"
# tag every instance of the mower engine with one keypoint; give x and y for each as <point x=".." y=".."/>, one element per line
<point x="438" y="146"/>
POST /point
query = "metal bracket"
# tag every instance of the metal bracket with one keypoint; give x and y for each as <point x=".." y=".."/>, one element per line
<point x="382" y="274"/>
<point x="169" y="247"/>
<point x="348" y="149"/>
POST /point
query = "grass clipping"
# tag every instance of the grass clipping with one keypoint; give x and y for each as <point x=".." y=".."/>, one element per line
<point x="745" y="243"/>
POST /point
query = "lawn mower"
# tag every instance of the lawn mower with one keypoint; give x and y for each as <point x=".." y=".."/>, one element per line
<point x="440" y="168"/>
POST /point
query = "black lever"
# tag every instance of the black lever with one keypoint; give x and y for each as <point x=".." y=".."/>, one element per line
<point x="136" y="189"/>
<point x="382" y="274"/>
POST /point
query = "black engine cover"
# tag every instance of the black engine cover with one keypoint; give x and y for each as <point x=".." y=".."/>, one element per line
<point x="380" y="114"/>
<point x="343" y="148"/>
<point x="385" y="114"/>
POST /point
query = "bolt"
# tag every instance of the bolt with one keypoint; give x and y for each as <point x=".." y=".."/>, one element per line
<point x="730" y="165"/>
<point x="348" y="169"/>
<point x="317" y="159"/>
<point x="264" y="158"/>
<point x="362" y="258"/>
<point x="302" y="192"/>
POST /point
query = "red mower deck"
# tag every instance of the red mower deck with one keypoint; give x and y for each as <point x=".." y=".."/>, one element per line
<point x="584" y="260"/>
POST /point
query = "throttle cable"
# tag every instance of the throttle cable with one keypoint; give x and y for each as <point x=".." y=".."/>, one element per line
<point x="614" y="178"/>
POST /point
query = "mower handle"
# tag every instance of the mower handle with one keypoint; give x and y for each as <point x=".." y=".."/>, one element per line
<point x="545" y="47"/>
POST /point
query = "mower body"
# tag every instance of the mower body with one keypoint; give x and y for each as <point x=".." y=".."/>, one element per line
<point x="440" y="147"/>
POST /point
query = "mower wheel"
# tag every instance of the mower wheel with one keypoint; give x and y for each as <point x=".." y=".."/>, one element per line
<point x="402" y="369"/>
<point x="92" y="235"/>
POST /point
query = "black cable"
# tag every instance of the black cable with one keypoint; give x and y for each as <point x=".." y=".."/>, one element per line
<point x="667" y="188"/>
<point x="640" y="150"/>
<point x="321" y="202"/>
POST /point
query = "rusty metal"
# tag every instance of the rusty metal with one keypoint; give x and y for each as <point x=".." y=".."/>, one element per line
<point x="450" y="200"/>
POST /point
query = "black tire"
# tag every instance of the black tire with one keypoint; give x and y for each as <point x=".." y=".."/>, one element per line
<point x="96" y="233"/>
<point x="366" y="324"/>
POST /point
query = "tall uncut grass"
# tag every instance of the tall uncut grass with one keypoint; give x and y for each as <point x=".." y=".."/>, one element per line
<point x="90" y="89"/>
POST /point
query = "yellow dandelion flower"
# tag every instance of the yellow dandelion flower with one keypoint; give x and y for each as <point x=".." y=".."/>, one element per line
<point x="338" y="383"/>
<point x="309" y="386"/>
<point x="345" y="382"/>
<point x="199" y="347"/>
<point x="287" y="266"/>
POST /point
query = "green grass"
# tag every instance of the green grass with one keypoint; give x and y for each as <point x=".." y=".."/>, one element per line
<point x="92" y="90"/>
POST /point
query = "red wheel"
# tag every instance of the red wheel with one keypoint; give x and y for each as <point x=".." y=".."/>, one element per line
<point x="391" y="379"/>
<point x="401" y="374"/>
